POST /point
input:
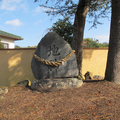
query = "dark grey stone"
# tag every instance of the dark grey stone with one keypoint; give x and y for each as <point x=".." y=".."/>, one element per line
<point x="88" y="75"/>
<point x="45" y="85"/>
<point x="54" y="48"/>
<point x="24" y="82"/>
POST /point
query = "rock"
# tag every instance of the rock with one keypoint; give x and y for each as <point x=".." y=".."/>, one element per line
<point x="88" y="75"/>
<point x="3" y="90"/>
<point x="25" y="83"/>
<point x="54" y="48"/>
<point x="98" y="77"/>
<point x="55" y="84"/>
<point x="81" y="77"/>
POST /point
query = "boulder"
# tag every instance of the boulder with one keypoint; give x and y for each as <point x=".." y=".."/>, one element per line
<point x="54" y="48"/>
<point x="3" y="90"/>
<point x="88" y="75"/>
<point x="46" y="85"/>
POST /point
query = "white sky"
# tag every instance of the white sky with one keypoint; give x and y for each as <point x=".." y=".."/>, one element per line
<point x="26" y="19"/>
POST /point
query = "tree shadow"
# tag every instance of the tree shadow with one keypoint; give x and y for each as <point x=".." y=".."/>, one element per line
<point x="15" y="66"/>
<point x="87" y="53"/>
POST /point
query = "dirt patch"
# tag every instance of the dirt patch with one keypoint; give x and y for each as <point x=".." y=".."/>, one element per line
<point x="99" y="100"/>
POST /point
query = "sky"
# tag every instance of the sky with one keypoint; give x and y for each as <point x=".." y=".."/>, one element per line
<point x="26" y="19"/>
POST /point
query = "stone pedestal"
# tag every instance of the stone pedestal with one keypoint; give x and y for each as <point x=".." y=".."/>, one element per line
<point x="45" y="85"/>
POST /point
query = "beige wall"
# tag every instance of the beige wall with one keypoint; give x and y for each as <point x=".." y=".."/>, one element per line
<point x="94" y="60"/>
<point x="15" y="65"/>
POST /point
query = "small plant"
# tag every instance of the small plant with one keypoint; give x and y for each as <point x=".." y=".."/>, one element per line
<point x="2" y="97"/>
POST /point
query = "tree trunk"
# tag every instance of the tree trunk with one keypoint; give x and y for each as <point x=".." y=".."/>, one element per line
<point x="113" y="63"/>
<point x="79" y="23"/>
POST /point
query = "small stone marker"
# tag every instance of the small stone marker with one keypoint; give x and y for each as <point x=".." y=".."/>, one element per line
<point x="54" y="48"/>
<point x="88" y="75"/>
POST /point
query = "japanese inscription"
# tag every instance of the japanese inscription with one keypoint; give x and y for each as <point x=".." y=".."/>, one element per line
<point x="53" y="50"/>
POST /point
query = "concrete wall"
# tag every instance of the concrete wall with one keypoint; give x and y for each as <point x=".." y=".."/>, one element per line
<point x="94" y="60"/>
<point x="10" y="41"/>
<point x="15" y="64"/>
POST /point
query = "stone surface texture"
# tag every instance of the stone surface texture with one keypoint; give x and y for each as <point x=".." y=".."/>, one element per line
<point x="45" y="85"/>
<point x="54" y="48"/>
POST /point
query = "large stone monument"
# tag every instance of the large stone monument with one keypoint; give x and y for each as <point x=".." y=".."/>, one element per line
<point x="53" y="59"/>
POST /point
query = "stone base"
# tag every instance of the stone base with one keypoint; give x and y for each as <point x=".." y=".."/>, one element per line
<point x="46" y="85"/>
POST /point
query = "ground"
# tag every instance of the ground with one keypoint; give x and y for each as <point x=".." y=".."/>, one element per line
<point x="95" y="100"/>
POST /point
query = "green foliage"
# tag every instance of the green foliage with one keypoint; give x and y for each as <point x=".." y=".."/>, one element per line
<point x="16" y="46"/>
<point x="105" y="44"/>
<point x="91" y="43"/>
<point x="64" y="28"/>
<point x="94" y="43"/>
<point x="31" y="46"/>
